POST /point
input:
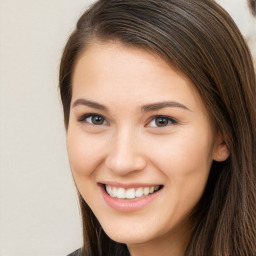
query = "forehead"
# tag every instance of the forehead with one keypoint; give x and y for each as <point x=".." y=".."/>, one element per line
<point x="114" y="71"/>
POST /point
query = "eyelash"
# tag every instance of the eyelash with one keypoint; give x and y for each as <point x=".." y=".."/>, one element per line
<point x="170" y="120"/>
<point x="84" y="117"/>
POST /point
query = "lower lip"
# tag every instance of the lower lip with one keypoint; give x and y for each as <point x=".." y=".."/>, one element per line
<point x="128" y="205"/>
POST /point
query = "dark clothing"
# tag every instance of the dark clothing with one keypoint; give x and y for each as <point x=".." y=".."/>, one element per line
<point x="75" y="253"/>
<point x="120" y="250"/>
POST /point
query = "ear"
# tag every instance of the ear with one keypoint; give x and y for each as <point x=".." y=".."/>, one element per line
<point x="220" y="151"/>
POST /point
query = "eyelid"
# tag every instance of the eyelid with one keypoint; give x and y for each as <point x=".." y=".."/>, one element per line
<point x="171" y="120"/>
<point x="85" y="116"/>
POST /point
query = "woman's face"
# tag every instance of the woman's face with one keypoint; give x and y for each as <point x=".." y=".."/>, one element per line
<point x="138" y="130"/>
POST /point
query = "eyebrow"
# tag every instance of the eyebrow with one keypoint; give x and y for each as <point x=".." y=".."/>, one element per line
<point x="89" y="103"/>
<point x="160" y="105"/>
<point x="144" y="108"/>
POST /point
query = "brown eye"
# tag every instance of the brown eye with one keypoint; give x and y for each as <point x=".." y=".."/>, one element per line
<point x="93" y="119"/>
<point x="97" y="120"/>
<point x="161" y="121"/>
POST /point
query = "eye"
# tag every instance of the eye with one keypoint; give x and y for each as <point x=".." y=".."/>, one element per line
<point x="161" y="121"/>
<point x="93" y="119"/>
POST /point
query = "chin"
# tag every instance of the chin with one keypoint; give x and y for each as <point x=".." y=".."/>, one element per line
<point x="129" y="234"/>
<point x="128" y="238"/>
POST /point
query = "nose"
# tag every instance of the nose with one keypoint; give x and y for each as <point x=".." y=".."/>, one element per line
<point x="125" y="154"/>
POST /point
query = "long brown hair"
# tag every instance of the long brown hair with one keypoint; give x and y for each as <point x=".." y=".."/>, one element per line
<point x="252" y="6"/>
<point x="198" y="38"/>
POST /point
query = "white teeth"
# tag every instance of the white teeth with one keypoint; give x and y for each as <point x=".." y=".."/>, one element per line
<point x="130" y="193"/>
<point x="108" y="188"/>
<point x="120" y="193"/>
<point x="114" y="192"/>
<point x="146" y="191"/>
<point x="139" y="192"/>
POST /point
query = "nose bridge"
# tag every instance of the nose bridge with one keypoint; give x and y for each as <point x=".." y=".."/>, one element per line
<point x="124" y="154"/>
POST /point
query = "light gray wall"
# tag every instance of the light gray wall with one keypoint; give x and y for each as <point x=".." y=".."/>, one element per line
<point x="38" y="207"/>
<point x="240" y="12"/>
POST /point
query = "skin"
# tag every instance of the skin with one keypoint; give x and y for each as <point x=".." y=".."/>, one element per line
<point x="129" y="146"/>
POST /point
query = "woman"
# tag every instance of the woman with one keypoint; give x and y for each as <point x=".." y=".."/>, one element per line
<point x="159" y="107"/>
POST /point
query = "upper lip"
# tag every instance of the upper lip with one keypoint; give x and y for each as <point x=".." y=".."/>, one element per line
<point x="128" y="185"/>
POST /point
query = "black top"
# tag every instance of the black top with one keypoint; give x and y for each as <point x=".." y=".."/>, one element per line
<point x="121" y="250"/>
<point x="75" y="253"/>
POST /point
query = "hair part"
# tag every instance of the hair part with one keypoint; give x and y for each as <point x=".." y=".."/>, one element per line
<point x="198" y="38"/>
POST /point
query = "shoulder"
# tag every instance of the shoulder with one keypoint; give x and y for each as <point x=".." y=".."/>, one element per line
<point x="75" y="253"/>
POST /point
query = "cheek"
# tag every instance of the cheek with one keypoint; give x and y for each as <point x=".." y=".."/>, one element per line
<point x="184" y="157"/>
<point x="84" y="158"/>
<point x="83" y="152"/>
<point x="186" y="167"/>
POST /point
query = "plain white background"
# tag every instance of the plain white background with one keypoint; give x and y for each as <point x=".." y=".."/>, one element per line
<point x="38" y="206"/>
<point x="39" y="213"/>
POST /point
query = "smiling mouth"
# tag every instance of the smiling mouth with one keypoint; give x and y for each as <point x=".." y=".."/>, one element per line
<point x="131" y="193"/>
